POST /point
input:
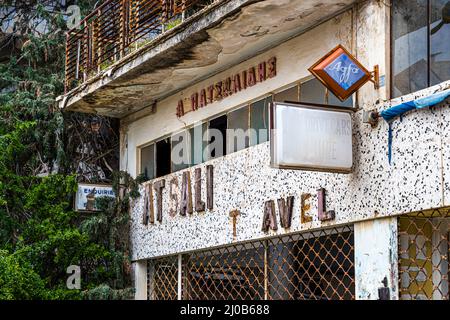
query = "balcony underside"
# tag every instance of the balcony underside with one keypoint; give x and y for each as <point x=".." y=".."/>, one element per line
<point x="218" y="37"/>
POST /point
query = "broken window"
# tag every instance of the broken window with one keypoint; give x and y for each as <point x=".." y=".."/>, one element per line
<point x="259" y="120"/>
<point x="147" y="166"/>
<point x="217" y="135"/>
<point x="163" y="163"/>
<point x="238" y="134"/>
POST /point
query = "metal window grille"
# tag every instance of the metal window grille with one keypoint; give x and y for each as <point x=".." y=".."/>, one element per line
<point x="162" y="278"/>
<point x="424" y="255"/>
<point x="309" y="266"/>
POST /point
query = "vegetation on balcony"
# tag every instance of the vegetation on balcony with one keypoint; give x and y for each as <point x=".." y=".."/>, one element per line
<point x="118" y="27"/>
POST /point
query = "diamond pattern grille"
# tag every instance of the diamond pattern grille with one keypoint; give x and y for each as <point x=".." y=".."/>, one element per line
<point x="308" y="266"/>
<point x="424" y="255"/>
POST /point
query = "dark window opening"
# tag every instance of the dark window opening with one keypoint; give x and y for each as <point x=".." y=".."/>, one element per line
<point x="218" y="136"/>
<point x="163" y="162"/>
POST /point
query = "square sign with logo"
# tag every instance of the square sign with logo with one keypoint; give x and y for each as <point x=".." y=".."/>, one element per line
<point x="340" y="72"/>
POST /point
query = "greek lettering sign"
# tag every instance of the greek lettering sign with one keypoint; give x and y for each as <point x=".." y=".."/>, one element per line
<point x="231" y="85"/>
<point x="87" y="193"/>
<point x="340" y="72"/>
<point x="311" y="137"/>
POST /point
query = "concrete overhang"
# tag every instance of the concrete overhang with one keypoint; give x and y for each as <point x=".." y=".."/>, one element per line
<point x="223" y="34"/>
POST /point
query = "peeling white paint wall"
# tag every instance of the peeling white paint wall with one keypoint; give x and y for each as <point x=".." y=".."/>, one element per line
<point x="376" y="257"/>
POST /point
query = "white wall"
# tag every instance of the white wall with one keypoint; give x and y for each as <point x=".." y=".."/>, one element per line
<point x="140" y="279"/>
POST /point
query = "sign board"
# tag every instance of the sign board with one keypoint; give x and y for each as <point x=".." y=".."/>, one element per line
<point x="311" y="137"/>
<point x="233" y="84"/>
<point x="341" y="73"/>
<point x="91" y="191"/>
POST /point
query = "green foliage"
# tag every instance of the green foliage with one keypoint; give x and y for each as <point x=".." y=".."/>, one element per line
<point x="173" y="23"/>
<point x="40" y="234"/>
<point x="18" y="280"/>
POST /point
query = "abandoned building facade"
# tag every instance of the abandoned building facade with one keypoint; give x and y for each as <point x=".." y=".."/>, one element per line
<point x="227" y="223"/>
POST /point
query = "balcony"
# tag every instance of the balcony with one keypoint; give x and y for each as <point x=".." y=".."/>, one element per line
<point x="129" y="54"/>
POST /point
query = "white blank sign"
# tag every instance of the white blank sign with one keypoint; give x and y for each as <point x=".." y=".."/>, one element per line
<point x="311" y="137"/>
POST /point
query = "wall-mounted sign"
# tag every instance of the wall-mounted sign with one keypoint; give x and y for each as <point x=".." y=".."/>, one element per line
<point x="311" y="137"/>
<point x="229" y="86"/>
<point x="87" y="193"/>
<point x="342" y="74"/>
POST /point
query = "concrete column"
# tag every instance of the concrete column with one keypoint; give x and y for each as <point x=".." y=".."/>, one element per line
<point x="376" y="258"/>
<point x="140" y="279"/>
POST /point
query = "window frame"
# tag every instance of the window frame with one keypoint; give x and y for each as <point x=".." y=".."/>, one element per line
<point x="206" y="121"/>
<point x="391" y="46"/>
<point x="139" y="160"/>
<point x="188" y="142"/>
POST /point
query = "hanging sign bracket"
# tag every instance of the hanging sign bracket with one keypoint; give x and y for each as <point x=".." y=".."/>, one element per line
<point x="375" y="77"/>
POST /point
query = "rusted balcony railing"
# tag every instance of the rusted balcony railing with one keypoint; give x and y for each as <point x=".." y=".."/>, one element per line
<point x="117" y="28"/>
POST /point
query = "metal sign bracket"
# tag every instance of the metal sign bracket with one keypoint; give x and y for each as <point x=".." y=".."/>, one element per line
<point x="375" y="77"/>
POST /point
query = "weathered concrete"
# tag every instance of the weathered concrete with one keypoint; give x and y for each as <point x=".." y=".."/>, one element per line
<point x="376" y="243"/>
<point x="140" y="279"/>
<point x="211" y="41"/>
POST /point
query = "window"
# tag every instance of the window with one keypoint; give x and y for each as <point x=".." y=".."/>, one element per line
<point x="217" y="135"/>
<point x="237" y="130"/>
<point x="311" y="91"/>
<point x="259" y="120"/>
<point x="148" y="161"/>
<point x="198" y="143"/>
<point x="290" y="94"/>
<point x="163" y="157"/>
<point x="238" y="134"/>
<point x="420" y="44"/>
<point x="180" y="151"/>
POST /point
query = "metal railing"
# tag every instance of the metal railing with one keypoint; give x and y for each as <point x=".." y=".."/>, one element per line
<point x="308" y="266"/>
<point x="117" y="28"/>
<point x="424" y="242"/>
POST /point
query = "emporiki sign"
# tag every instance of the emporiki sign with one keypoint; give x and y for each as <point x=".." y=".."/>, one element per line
<point x="229" y="86"/>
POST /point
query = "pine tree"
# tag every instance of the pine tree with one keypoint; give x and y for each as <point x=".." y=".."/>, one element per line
<point x="43" y="156"/>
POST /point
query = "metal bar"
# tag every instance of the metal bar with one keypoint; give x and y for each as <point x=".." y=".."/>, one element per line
<point x="108" y="32"/>
<point x="266" y="271"/>
<point x="180" y="274"/>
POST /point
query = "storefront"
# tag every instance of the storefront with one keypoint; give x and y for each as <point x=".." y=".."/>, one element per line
<point x="217" y="220"/>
